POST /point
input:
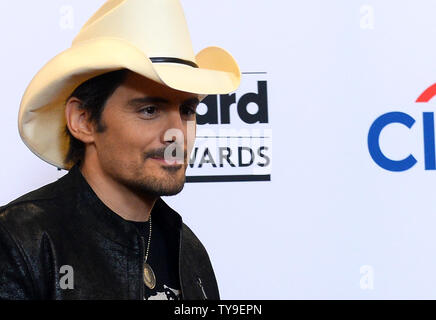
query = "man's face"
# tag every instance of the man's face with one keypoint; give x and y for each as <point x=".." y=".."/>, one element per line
<point x="144" y="121"/>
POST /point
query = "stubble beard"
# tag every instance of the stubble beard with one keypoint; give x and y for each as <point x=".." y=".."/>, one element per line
<point x="168" y="184"/>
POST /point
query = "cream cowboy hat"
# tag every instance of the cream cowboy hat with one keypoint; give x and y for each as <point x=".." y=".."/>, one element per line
<point x="149" y="37"/>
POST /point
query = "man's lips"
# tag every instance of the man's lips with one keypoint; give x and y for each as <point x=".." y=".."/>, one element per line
<point x="169" y="162"/>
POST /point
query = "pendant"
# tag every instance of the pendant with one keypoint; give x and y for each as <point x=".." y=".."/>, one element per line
<point x="149" y="277"/>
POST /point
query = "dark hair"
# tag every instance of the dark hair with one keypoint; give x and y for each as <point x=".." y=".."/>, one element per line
<point x="93" y="95"/>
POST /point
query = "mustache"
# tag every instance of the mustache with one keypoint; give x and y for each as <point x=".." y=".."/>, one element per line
<point x="160" y="153"/>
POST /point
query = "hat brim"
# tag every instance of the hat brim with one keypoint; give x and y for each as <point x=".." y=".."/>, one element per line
<point x="41" y="119"/>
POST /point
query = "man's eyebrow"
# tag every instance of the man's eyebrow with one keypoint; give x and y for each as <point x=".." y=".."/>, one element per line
<point x="191" y="101"/>
<point x="145" y="100"/>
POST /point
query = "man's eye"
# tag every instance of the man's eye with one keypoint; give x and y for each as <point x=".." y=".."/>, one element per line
<point x="149" y="111"/>
<point x="188" y="110"/>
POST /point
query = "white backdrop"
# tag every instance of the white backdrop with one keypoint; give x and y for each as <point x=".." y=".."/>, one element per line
<point x="331" y="223"/>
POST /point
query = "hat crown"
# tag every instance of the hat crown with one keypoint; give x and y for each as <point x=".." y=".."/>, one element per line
<point x="156" y="27"/>
<point x="122" y="34"/>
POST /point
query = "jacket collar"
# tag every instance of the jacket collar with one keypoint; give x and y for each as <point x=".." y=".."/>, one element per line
<point x="107" y="222"/>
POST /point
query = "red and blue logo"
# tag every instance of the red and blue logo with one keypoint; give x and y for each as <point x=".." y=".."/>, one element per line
<point x="408" y="121"/>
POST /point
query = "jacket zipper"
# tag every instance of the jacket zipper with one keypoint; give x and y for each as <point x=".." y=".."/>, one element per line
<point x="202" y="288"/>
<point x="142" y="269"/>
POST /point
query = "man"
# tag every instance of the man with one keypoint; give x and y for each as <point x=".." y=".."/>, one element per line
<point x="117" y="110"/>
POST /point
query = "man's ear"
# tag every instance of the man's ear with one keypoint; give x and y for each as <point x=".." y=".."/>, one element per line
<point x="78" y="121"/>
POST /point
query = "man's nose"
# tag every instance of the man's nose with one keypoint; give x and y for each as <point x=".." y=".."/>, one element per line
<point x="175" y="128"/>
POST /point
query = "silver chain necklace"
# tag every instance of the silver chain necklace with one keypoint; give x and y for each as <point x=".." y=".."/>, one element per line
<point x="149" y="276"/>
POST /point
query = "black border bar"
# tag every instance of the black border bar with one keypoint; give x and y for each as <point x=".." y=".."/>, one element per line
<point x="228" y="178"/>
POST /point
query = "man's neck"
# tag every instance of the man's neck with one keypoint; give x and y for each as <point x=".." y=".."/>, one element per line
<point x="127" y="204"/>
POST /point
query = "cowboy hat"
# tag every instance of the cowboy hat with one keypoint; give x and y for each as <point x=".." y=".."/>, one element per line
<point x="149" y="37"/>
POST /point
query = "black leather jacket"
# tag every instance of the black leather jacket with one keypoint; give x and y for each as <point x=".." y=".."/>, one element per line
<point x="63" y="223"/>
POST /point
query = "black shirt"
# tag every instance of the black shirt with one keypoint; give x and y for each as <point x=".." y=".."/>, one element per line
<point x="162" y="258"/>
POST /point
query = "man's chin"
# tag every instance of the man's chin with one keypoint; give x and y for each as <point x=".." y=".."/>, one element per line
<point x="153" y="186"/>
<point x="169" y="193"/>
<point x="170" y="189"/>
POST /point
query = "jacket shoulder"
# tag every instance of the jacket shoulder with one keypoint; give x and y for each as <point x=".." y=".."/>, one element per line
<point x="22" y="225"/>
<point x="33" y="206"/>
